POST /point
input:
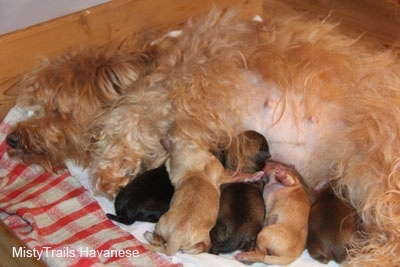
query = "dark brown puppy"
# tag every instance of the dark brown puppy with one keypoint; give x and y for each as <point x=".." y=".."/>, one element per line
<point x="332" y="225"/>
<point x="242" y="210"/>
<point x="145" y="198"/>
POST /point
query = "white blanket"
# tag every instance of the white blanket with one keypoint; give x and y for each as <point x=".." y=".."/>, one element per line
<point x="200" y="260"/>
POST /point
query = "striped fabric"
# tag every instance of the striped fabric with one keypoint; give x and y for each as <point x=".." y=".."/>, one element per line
<point x="55" y="216"/>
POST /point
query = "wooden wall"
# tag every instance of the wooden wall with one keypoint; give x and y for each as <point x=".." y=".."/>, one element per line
<point x="377" y="20"/>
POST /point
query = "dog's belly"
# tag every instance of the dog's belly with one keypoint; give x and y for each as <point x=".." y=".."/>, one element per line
<point x="305" y="136"/>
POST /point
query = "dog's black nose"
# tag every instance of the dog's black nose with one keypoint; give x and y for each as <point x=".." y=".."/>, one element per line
<point x="13" y="140"/>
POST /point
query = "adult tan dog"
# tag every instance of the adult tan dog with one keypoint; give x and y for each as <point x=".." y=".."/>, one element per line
<point x="327" y="103"/>
<point x="283" y="237"/>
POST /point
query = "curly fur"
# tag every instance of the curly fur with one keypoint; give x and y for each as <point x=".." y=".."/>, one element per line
<point x="327" y="103"/>
<point x="64" y="94"/>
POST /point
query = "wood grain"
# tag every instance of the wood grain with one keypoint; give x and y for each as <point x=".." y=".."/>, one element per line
<point x="378" y="21"/>
<point x="8" y="240"/>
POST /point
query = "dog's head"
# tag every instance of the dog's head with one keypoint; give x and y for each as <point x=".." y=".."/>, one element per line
<point x="63" y="94"/>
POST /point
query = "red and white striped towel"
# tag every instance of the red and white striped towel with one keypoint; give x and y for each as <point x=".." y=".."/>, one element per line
<point x="55" y="215"/>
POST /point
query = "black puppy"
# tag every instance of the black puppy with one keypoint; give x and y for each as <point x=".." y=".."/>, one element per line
<point x="242" y="209"/>
<point x="145" y="198"/>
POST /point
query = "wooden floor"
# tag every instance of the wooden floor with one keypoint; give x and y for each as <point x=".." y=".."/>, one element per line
<point x="8" y="241"/>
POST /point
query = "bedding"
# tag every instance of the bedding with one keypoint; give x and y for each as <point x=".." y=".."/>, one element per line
<point x="63" y="222"/>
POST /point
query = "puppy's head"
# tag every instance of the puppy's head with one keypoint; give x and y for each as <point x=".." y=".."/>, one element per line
<point x="248" y="153"/>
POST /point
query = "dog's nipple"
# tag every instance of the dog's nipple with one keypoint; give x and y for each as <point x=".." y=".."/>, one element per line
<point x="269" y="103"/>
<point x="312" y="119"/>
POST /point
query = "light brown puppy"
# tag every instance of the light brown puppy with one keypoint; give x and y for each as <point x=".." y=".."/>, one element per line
<point x="283" y="238"/>
<point x="188" y="196"/>
<point x="331" y="227"/>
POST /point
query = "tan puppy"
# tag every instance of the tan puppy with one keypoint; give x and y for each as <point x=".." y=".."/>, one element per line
<point x="189" y="195"/>
<point x="331" y="227"/>
<point x="283" y="238"/>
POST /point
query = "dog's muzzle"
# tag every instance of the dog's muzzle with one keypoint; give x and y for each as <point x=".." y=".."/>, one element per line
<point x="13" y="140"/>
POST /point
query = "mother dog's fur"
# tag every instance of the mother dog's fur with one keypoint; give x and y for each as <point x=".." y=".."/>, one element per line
<point x="328" y="104"/>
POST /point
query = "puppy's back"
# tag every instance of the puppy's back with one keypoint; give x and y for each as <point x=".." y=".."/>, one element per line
<point x="240" y="218"/>
<point x="145" y="198"/>
<point x="332" y="225"/>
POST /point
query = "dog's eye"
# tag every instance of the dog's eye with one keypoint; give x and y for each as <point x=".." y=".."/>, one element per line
<point x="269" y="253"/>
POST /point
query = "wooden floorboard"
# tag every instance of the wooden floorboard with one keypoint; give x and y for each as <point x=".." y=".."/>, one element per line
<point x="8" y="258"/>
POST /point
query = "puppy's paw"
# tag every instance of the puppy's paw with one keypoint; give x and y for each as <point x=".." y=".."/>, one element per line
<point x="243" y="258"/>
<point x="257" y="176"/>
<point x="250" y="257"/>
<point x="282" y="176"/>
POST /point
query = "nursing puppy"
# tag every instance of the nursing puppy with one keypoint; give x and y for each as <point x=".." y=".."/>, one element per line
<point x="332" y="225"/>
<point x="242" y="209"/>
<point x="148" y="196"/>
<point x="283" y="238"/>
<point x="145" y="198"/>
<point x="191" y="193"/>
